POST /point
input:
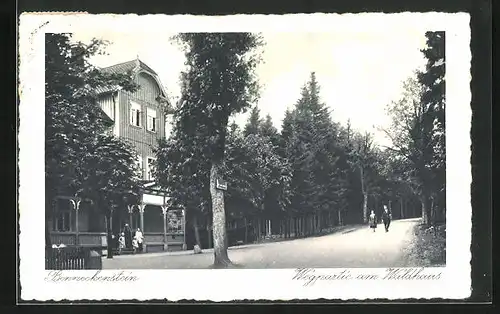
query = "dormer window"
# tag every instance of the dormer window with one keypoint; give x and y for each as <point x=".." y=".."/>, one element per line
<point x="135" y="114"/>
<point x="152" y="120"/>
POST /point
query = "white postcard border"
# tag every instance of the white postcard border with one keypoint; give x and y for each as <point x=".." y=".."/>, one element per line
<point x="227" y="285"/>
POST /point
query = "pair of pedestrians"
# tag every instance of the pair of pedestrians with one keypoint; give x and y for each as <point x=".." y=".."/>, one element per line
<point x="386" y="218"/>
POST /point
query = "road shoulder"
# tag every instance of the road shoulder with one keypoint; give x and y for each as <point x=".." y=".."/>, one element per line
<point x="427" y="247"/>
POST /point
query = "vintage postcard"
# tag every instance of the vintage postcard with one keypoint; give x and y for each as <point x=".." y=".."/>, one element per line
<point x="246" y="157"/>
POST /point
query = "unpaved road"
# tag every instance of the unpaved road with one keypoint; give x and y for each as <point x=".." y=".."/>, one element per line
<point x="355" y="247"/>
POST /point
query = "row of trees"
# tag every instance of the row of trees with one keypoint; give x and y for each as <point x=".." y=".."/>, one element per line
<point x="417" y="132"/>
<point x="311" y="171"/>
<point x="312" y="168"/>
<point x="313" y="174"/>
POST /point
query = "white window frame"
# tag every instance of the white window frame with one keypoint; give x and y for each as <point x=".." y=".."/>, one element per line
<point x="62" y="216"/>
<point x="152" y="120"/>
<point x="149" y="176"/>
<point x="135" y="114"/>
<point x="140" y="163"/>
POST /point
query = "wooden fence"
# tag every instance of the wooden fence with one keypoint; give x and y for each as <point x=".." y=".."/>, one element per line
<point x="72" y="258"/>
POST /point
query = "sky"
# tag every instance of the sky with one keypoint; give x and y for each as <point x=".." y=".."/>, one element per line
<point x="359" y="72"/>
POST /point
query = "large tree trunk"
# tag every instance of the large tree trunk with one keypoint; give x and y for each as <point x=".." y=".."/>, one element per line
<point x="221" y="258"/>
<point x="289" y="227"/>
<point x="432" y="214"/>
<point x="259" y="229"/>
<point x="365" y="207"/>
<point x="402" y="215"/>
<point x="48" y="241"/>
<point x="48" y="218"/>
<point x="319" y="226"/>
<point x="365" y="195"/>
<point x="246" y="230"/>
<point x="196" y="231"/>
<point x="301" y="226"/>
<point x="426" y="210"/>
<point x="286" y="225"/>
<point x="209" y="232"/>
<point x="110" y="236"/>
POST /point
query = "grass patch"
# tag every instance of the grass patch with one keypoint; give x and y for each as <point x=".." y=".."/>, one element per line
<point x="429" y="246"/>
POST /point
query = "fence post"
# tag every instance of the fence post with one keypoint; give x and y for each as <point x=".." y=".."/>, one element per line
<point x="93" y="260"/>
<point x="164" y="210"/>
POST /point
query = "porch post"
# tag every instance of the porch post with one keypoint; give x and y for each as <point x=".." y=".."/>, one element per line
<point x="112" y="209"/>
<point x="130" y="211"/>
<point x="184" y="245"/>
<point x="164" y="209"/>
<point x="75" y="202"/>
<point x="141" y="213"/>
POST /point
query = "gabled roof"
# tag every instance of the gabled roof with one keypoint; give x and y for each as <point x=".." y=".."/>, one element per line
<point x="124" y="67"/>
<point x="133" y="66"/>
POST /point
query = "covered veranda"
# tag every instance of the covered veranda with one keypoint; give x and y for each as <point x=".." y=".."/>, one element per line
<point x="76" y="222"/>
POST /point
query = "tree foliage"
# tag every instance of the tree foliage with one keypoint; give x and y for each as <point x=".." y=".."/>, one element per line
<point x="82" y="158"/>
<point x="313" y="165"/>
<point x="309" y="142"/>
<point x="254" y="122"/>
<point x="259" y="177"/>
<point x="418" y="130"/>
<point x="219" y="82"/>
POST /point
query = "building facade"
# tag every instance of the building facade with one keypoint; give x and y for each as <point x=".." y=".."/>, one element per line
<point x="141" y="118"/>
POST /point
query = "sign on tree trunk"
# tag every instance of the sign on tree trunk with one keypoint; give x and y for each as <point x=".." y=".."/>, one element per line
<point x="221" y="185"/>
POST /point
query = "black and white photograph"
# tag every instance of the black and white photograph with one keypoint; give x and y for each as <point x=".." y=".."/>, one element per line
<point x="248" y="149"/>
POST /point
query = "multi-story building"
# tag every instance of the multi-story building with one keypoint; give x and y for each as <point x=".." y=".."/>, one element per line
<point x="141" y="118"/>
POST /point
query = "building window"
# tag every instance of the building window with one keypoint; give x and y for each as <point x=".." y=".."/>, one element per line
<point x="135" y="114"/>
<point x="150" y="168"/>
<point x="62" y="216"/>
<point x="152" y="120"/>
<point x="62" y="221"/>
<point x="139" y="166"/>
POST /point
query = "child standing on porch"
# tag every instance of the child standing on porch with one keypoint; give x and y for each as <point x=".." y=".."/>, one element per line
<point x="135" y="245"/>
<point x="140" y="238"/>
<point x="121" y="242"/>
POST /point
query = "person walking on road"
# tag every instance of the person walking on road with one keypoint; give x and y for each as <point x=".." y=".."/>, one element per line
<point x="386" y="218"/>
<point x="373" y="221"/>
